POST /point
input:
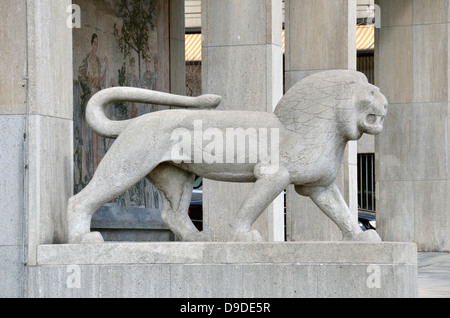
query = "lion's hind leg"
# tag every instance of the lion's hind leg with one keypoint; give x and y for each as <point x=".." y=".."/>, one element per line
<point x="99" y="191"/>
<point x="121" y="168"/>
<point x="175" y="188"/>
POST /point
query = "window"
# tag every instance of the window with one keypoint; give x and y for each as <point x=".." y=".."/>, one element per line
<point x="366" y="182"/>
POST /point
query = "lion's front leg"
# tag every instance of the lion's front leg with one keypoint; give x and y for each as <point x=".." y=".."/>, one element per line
<point x="267" y="187"/>
<point x="331" y="202"/>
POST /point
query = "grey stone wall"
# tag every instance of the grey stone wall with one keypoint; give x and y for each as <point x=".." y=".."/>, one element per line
<point x="411" y="60"/>
<point x="36" y="128"/>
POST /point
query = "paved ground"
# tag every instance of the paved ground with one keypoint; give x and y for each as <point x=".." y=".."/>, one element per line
<point x="434" y="275"/>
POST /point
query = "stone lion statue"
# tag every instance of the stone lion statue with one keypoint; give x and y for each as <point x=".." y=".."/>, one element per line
<point x="314" y="120"/>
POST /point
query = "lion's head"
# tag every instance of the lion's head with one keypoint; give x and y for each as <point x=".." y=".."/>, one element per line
<point x="333" y="101"/>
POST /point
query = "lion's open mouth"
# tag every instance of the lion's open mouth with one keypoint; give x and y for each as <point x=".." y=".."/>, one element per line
<point x="375" y="120"/>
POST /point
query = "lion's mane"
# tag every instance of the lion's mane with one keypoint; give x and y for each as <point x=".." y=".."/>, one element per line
<point x="310" y="106"/>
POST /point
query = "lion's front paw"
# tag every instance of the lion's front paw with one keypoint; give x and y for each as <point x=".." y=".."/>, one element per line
<point x="88" y="238"/>
<point x="251" y="236"/>
<point x="366" y="236"/>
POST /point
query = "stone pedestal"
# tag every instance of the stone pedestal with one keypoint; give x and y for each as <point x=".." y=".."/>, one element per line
<point x="225" y="270"/>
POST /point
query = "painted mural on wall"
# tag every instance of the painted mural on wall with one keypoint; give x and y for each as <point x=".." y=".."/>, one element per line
<point x="120" y="43"/>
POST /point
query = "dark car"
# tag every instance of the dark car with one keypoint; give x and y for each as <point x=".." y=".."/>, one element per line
<point x="196" y="206"/>
<point x="367" y="220"/>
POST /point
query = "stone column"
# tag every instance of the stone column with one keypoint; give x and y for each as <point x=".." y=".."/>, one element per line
<point x="177" y="47"/>
<point x="36" y="133"/>
<point x="412" y="159"/>
<point x="241" y="61"/>
<point x="320" y="35"/>
<point x="13" y="96"/>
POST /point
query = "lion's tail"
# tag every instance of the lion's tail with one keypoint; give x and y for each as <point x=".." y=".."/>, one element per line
<point x="100" y="123"/>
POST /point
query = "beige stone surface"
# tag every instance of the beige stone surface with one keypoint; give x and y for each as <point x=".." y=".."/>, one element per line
<point x="394" y="72"/>
<point x="13" y="82"/>
<point x="177" y="48"/>
<point x="323" y="46"/>
<point x="49" y="59"/>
